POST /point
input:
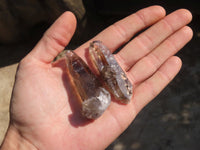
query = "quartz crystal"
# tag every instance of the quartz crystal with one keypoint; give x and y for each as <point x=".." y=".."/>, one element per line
<point x="110" y="72"/>
<point x="95" y="98"/>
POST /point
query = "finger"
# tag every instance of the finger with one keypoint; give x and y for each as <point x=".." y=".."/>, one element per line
<point x="55" y="38"/>
<point x="155" y="84"/>
<point x="151" y="38"/>
<point x="123" y="30"/>
<point x="144" y="68"/>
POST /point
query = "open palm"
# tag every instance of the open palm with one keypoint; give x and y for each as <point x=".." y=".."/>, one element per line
<point x="44" y="109"/>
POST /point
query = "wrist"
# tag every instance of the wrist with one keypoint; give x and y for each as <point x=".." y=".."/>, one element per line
<point x="14" y="141"/>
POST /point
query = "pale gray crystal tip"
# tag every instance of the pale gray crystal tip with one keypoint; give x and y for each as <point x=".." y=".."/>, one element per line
<point x="94" y="107"/>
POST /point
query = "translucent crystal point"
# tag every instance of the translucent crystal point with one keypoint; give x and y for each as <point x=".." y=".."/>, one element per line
<point x="110" y="72"/>
<point x="95" y="98"/>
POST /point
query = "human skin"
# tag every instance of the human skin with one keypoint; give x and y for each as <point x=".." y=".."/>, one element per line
<point x="44" y="113"/>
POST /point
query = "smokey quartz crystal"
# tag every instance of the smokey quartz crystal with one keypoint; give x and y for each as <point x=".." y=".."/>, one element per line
<point x="94" y="91"/>
<point x="110" y="72"/>
<point x="94" y="97"/>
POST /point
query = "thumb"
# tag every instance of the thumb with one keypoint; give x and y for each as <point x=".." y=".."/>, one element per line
<point x="55" y="38"/>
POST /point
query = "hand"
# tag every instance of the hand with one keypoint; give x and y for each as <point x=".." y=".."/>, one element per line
<point x="43" y="110"/>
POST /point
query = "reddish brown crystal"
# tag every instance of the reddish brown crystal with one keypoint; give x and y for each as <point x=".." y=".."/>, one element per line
<point x="95" y="98"/>
<point x="110" y="72"/>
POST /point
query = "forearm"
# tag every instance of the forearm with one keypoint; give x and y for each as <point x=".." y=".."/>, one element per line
<point x="14" y="141"/>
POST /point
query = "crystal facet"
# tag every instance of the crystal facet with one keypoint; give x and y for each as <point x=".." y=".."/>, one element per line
<point x="95" y="98"/>
<point x="110" y="72"/>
